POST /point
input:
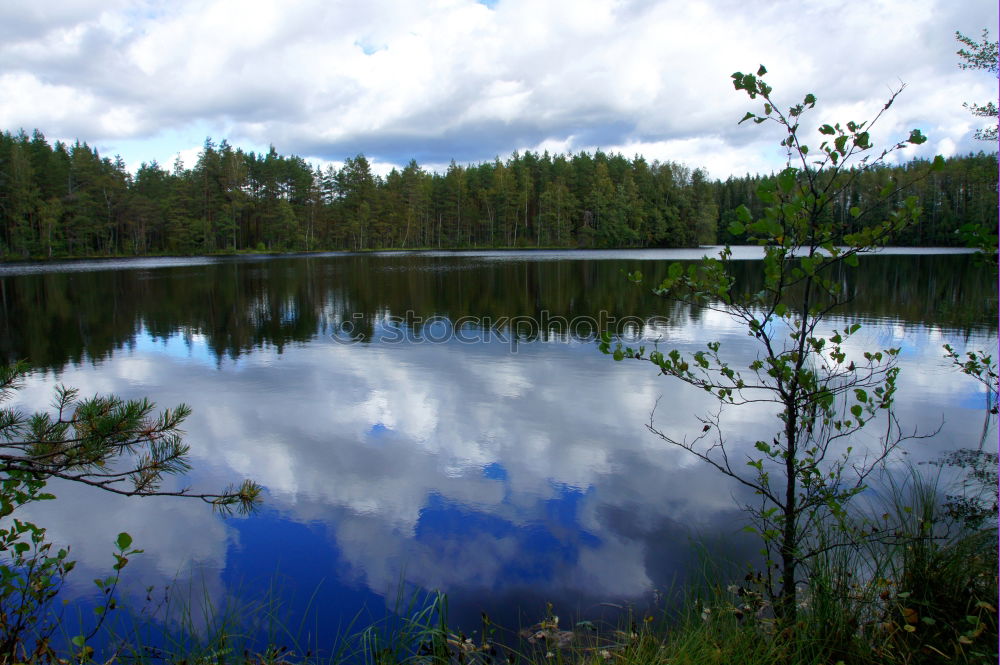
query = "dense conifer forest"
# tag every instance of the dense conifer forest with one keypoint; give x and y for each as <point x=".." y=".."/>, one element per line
<point x="64" y="200"/>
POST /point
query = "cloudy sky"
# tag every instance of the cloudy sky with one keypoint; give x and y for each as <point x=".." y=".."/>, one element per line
<point x="465" y="80"/>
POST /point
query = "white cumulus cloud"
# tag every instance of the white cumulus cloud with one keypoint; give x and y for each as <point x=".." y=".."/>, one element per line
<point x="456" y="79"/>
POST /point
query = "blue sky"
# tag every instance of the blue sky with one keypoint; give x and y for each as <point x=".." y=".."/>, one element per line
<point x="466" y="80"/>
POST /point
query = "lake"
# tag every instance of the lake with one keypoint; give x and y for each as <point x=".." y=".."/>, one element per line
<point x="441" y="420"/>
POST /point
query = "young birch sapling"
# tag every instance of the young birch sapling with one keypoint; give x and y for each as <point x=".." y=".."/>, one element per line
<point x="824" y="390"/>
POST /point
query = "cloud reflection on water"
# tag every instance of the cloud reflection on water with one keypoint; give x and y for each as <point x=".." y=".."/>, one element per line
<point x="455" y="467"/>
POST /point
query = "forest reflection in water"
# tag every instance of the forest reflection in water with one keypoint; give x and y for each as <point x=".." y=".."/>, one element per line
<point x="506" y="473"/>
<point x="239" y="305"/>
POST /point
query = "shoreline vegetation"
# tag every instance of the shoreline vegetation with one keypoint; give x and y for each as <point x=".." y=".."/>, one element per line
<point x="67" y="201"/>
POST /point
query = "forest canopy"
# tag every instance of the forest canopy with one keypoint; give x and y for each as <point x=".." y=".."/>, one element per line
<point x="59" y="200"/>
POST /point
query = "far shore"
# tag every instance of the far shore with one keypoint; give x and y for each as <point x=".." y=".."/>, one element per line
<point x="266" y="253"/>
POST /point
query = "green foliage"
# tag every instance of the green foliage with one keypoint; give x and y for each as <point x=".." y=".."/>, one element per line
<point x="112" y="444"/>
<point x="32" y="573"/>
<point x="825" y="391"/>
<point x="981" y="55"/>
<point x="67" y="200"/>
<point x="957" y="198"/>
<point x="920" y="588"/>
<point x="932" y="587"/>
<point x="121" y="446"/>
<point x="980" y="366"/>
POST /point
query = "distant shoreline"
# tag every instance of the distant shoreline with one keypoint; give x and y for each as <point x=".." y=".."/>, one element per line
<point x="417" y="250"/>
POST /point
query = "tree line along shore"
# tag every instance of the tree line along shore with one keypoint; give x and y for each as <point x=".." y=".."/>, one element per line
<point x="59" y="200"/>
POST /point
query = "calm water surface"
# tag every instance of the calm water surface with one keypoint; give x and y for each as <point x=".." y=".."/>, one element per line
<point x="413" y="428"/>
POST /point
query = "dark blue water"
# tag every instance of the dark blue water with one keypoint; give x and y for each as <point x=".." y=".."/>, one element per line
<point x="506" y="468"/>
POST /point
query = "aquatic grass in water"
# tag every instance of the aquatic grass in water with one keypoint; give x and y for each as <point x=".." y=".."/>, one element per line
<point x="187" y="625"/>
